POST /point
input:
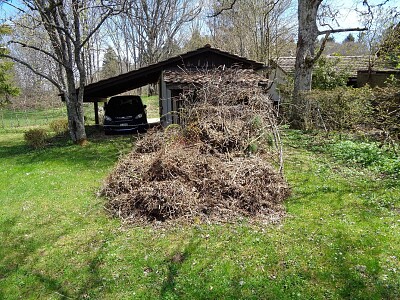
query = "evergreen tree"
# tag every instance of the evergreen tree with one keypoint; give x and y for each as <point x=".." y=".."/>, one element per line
<point x="197" y="40"/>
<point x="111" y="66"/>
<point x="349" y="38"/>
<point x="7" y="87"/>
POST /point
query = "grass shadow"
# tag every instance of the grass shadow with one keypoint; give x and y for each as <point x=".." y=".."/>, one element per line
<point x="94" y="280"/>
<point x="358" y="281"/>
<point x="53" y="285"/>
<point x="17" y="246"/>
<point x="98" y="153"/>
<point x="174" y="265"/>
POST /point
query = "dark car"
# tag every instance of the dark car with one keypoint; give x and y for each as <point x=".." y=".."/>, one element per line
<point x="125" y="114"/>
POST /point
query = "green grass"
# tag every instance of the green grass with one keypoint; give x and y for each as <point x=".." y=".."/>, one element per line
<point x="14" y="119"/>
<point x="21" y="118"/>
<point x="340" y="239"/>
<point x="11" y="119"/>
<point x="152" y="106"/>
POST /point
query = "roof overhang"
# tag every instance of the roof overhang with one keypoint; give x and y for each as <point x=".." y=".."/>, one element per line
<point x="205" y="57"/>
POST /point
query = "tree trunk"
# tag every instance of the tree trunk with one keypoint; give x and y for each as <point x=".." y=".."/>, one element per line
<point x="307" y="37"/>
<point x="76" y="120"/>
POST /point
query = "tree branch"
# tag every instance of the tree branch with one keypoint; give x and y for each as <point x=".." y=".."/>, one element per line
<point x="14" y="6"/>
<point x="221" y="10"/>
<point x="111" y="11"/>
<point x="37" y="49"/>
<point x="341" y="30"/>
<point x="55" y="83"/>
<point x="320" y="50"/>
<point x="45" y="20"/>
<point x="104" y="18"/>
<point x="327" y="33"/>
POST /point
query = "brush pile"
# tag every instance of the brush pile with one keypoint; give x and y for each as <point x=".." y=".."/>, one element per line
<point x="214" y="167"/>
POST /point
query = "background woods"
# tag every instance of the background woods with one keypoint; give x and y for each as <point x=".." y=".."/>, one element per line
<point x="58" y="47"/>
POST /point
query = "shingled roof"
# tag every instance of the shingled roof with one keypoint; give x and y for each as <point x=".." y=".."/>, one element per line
<point x="351" y="64"/>
<point x="245" y="77"/>
<point x="205" y="57"/>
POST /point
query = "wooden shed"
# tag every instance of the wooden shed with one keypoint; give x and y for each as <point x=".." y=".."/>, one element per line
<point x="376" y="78"/>
<point x="172" y="75"/>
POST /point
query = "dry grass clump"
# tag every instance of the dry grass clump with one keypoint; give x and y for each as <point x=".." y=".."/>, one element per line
<point x="151" y="143"/>
<point x="205" y="169"/>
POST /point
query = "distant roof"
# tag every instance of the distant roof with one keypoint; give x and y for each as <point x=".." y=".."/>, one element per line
<point x="205" y="57"/>
<point x="286" y="63"/>
<point x="352" y="64"/>
<point x="246" y="77"/>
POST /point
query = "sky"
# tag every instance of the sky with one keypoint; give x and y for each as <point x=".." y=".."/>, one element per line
<point x="349" y="16"/>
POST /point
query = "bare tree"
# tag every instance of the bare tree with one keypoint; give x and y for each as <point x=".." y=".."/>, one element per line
<point x="381" y="32"/>
<point x="256" y="29"/>
<point x="93" y="49"/>
<point x="149" y="30"/>
<point x="306" y="54"/>
<point x="32" y="86"/>
<point x="64" y="23"/>
<point x="157" y="24"/>
<point x="122" y="37"/>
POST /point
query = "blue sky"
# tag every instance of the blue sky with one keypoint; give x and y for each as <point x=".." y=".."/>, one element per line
<point x="349" y="16"/>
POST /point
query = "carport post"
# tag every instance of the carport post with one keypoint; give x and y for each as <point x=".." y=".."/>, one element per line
<point x="96" y="113"/>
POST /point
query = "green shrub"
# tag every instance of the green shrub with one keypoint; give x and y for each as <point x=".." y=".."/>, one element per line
<point x="327" y="75"/>
<point x="59" y="126"/>
<point x="252" y="148"/>
<point x="342" y="108"/>
<point x="368" y="155"/>
<point x="363" y="154"/>
<point x="36" y="138"/>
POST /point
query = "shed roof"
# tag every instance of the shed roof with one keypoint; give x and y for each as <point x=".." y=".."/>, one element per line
<point x="245" y="77"/>
<point x="205" y="57"/>
<point x="351" y="64"/>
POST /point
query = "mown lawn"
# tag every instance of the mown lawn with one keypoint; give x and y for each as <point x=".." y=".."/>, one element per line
<point x="19" y="119"/>
<point x="340" y="239"/>
<point x="152" y="106"/>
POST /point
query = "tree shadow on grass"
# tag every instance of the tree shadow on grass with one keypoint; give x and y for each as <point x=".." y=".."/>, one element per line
<point x="19" y="253"/>
<point x="102" y="153"/>
<point x="359" y="276"/>
<point x="174" y="264"/>
<point x="60" y="148"/>
<point x="180" y="268"/>
<point x="95" y="279"/>
<point x="53" y="285"/>
<point x="7" y="151"/>
<point x="17" y="246"/>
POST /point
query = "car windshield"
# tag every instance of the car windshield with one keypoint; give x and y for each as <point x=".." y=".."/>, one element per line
<point x="124" y="106"/>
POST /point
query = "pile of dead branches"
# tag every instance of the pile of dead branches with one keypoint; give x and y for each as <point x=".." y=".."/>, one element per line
<point x="217" y="166"/>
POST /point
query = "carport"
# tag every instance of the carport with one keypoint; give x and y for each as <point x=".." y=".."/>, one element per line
<point x="202" y="58"/>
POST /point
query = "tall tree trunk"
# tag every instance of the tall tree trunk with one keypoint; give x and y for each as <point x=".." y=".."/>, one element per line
<point x="76" y="120"/>
<point x="305" y="57"/>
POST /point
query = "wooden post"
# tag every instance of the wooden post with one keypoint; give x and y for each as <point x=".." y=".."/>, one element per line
<point x="96" y="113"/>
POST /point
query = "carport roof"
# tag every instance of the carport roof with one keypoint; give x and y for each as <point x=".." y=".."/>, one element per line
<point x="200" y="58"/>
